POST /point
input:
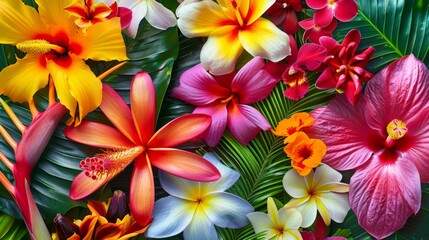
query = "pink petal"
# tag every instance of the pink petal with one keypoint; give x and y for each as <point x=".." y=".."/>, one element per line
<point x="219" y="116"/>
<point x="244" y="122"/>
<point x="159" y="16"/>
<point x="352" y="90"/>
<point x="142" y="191"/>
<point x="345" y="10"/>
<point x="307" y="236"/>
<point x="353" y="36"/>
<point x="143" y="105"/>
<point x="126" y="15"/>
<point x="399" y="91"/>
<point x="82" y="185"/>
<point x="317" y="4"/>
<point x="97" y="135"/>
<point x="310" y="56"/>
<point x="252" y="83"/>
<point x="297" y="91"/>
<point x="290" y="24"/>
<point x="384" y="194"/>
<point x="327" y="79"/>
<point x="417" y="138"/>
<point x="307" y="24"/>
<point x="118" y="112"/>
<point x="198" y="87"/>
<point x="330" y="44"/>
<point x="323" y="17"/>
<point x="183" y="164"/>
<point x="334" y="123"/>
<point x="180" y="130"/>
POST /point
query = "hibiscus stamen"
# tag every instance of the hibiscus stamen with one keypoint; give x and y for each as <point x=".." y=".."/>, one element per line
<point x="109" y="163"/>
<point x="228" y="99"/>
<point x="396" y="129"/>
<point x="39" y="46"/>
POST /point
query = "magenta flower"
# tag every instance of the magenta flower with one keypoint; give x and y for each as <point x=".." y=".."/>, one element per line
<point x="314" y="32"/>
<point x="283" y="12"/>
<point x="384" y="138"/>
<point x="345" y="70"/>
<point x="326" y="10"/>
<point x="225" y="98"/>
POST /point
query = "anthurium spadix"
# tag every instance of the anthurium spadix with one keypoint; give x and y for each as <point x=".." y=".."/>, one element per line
<point x="387" y="141"/>
<point x="134" y="140"/>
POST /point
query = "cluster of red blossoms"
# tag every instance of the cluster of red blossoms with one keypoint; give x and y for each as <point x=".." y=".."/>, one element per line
<point x="340" y="66"/>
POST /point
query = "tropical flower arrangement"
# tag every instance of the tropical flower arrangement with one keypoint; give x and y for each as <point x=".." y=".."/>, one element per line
<point x="204" y="119"/>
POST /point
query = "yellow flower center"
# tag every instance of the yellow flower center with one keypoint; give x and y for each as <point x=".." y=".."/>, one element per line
<point x="39" y="46"/>
<point x="396" y="129"/>
<point x="109" y="162"/>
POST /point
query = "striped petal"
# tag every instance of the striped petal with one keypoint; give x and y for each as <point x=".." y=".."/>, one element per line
<point x="262" y="38"/>
<point x="97" y="135"/>
<point x="14" y="78"/>
<point x="143" y="105"/>
<point x="180" y="130"/>
<point x="219" y="116"/>
<point x="118" y="112"/>
<point x="183" y="164"/>
<point x="142" y="196"/>
<point x="82" y="185"/>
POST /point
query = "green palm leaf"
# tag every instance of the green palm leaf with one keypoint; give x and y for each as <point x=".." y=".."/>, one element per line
<point x="10" y="228"/>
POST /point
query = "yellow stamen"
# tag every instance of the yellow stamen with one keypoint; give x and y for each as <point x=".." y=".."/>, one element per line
<point x="39" y="46"/>
<point x="13" y="117"/>
<point x="396" y="129"/>
<point x="228" y="99"/>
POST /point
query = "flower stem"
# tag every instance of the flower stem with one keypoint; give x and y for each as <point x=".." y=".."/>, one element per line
<point x="6" y="161"/>
<point x="6" y="183"/>
<point x="109" y="71"/>
<point x="12" y="116"/>
<point x="8" y="138"/>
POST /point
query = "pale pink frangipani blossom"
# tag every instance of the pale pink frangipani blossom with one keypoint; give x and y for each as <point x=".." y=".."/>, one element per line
<point x="384" y="137"/>
<point x="225" y="98"/>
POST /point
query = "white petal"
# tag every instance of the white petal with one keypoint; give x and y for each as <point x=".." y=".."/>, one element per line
<point x="309" y="212"/>
<point x="290" y="218"/>
<point x="337" y="204"/>
<point x="294" y="184"/>
<point x="200" y="228"/>
<point x="228" y="176"/>
<point x="170" y="217"/>
<point x="261" y="222"/>
<point x="292" y="235"/>
<point x="325" y="174"/>
<point x="179" y="187"/>
<point x="227" y="210"/>
<point x="139" y="9"/>
<point x="159" y="16"/>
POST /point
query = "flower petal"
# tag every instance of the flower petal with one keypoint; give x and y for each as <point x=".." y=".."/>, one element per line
<point x="262" y="38"/>
<point x="337" y="205"/>
<point x="104" y="41"/>
<point x="384" y="194"/>
<point x="252" y="83"/>
<point x="294" y="184"/>
<point x="323" y="17"/>
<point x="198" y="87"/>
<point x="14" y="78"/>
<point x="142" y="196"/>
<point x="139" y="11"/>
<point x="180" y="130"/>
<point x="170" y="217"/>
<point x="228" y="175"/>
<point x="219" y="115"/>
<point x="333" y="123"/>
<point x="143" y="105"/>
<point x="325" y="174"/>
<point x="82" y="185"/>
<point x="245" y="122"/>
<point x="183" y="164"/>
<point x="118" y="112"/>
<point x="159" y="16"/>
<point x="226" y="210"/>
<point x="261" y="222"/>
<point x="221" y="51"/>
<point x="317" y="4"/>
<point x="309" y="212"/>
<point x="179" y="187"/>
<point x="256" y="9"/>
<point x="109" y="231"/>
<point x="97" y="135"/>
<point x="346" y="10"/>
<point x="290" y="218"/>
<point x="310" y="56"/>
<point x="201" y="227"/>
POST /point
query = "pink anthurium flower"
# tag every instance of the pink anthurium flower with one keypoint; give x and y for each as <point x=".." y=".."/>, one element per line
<point x="283" y="12"/>
<point x="231" y="27"/>
<point x="345" y="69"/>
<point x="343" y="10"/>
<point x="384" y="137"/>
<point x="135" y="140"/>
<point x="225" y="98"/>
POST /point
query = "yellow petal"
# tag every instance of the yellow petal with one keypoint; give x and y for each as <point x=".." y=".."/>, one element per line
<point x="272" y="211"/>
<point x="20" y="81"/>
<point x="257" y="8"/>
<point x="103" y="41"/>
<point x="52" y="12"/>
<point x="18" y="22"/>
<point x="323" y="210"/>
<point x="221" y="51"/>
<point x="76" y="86"/>
<point x="262" y="38"/>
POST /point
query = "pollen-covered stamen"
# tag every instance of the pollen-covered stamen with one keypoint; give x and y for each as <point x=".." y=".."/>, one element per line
<point x="39" y="46"/>
<point x="109" y="162"/>
<point x="396" y="129"/>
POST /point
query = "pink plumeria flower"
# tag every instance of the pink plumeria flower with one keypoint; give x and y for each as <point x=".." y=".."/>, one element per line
<point x="225" y="98"/>
<point x="314" y="32"/>
<point x="384" y="137"/>
<point x="283" y="12"/>
<point x="343" y="10"/>
<point x="154" y="12"/>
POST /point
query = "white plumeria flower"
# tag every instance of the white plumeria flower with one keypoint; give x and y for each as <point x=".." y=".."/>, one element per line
<point x="195" y="207"/>
<point x="280" y="224"/>
<point x="321" y="190"/>
<point x="155" y="13"/>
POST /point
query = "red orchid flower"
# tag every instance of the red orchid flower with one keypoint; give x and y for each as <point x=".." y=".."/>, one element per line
<point x="135" y="140"/>
<point x="326" y="10"/>
<point x="345" y="70"/>
<point x="308" y="58"/>
<point x="314" y="32"/>
<point x="283" y="12"/>
<point x="384" y="137"/>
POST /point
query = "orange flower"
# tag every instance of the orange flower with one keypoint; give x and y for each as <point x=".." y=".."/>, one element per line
<point x="305" y="153"/>
<point x="88" y="13"/>
<point x="288" y="126"/>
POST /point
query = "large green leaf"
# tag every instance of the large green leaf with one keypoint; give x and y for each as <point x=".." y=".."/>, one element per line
<point x="394" y="28"/>
<point x="11" y="228"/>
